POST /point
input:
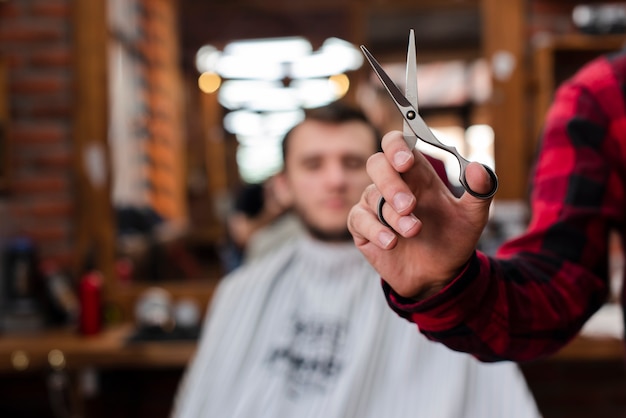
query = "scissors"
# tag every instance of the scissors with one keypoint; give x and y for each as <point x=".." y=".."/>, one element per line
<point x="414" y="126"/>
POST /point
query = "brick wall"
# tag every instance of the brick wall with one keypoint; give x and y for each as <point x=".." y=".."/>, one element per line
<point x="36" y="44"/>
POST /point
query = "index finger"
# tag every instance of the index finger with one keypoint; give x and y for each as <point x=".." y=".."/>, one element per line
<point x="398" y="153"/>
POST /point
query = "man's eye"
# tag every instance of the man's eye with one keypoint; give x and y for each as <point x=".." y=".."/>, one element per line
<point x="311" y="164"/>
<point x="354" y="163"/>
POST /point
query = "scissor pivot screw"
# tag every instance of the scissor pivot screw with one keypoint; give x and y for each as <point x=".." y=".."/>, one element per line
<point x="410" y="114"/>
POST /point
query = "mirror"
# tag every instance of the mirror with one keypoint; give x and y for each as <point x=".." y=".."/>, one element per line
<point x="174" y="167"/>
<point x="4" y="123"/>
<point x="155" y="163"/>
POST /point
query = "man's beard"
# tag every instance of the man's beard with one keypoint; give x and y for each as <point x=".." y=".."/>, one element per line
<point x="328" y="236"/>
<point x="325" y="235"/>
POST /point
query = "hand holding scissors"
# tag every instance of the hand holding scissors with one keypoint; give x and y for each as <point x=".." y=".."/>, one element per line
<point x="431" y="234"/>
<point x="414" y="126"/>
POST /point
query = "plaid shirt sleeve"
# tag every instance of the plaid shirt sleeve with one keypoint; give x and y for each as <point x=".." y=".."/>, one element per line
<point x="533" y="297"/>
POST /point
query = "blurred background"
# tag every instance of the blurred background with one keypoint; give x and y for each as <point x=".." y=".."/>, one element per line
<point x="129" y="128"/>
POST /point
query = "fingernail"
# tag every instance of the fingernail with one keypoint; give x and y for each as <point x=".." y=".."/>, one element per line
<point x="401" y="157"/>
<point x="402" y="201"/>
<point x="406" y="223"/>
<point x="386" y="238"/>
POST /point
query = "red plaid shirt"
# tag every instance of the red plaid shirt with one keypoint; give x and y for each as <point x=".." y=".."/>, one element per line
<point x="535" y="295"/>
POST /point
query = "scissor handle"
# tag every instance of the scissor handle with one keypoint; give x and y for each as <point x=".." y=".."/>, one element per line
<point x="494" y="180"/>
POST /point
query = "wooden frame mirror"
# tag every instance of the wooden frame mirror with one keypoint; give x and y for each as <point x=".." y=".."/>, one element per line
<point x="97" y="227"/>
<point x="4" y="126"/>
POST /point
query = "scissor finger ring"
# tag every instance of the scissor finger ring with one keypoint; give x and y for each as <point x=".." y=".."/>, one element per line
<point x="381" y="218"/>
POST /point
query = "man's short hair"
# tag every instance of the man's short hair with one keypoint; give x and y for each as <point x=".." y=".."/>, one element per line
<point x="334" y="113"/>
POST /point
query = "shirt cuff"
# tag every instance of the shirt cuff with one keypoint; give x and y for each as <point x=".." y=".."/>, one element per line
<point x="452" y="305"/>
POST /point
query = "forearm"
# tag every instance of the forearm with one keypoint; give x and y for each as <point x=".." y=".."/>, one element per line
<point x="516" y="309"/>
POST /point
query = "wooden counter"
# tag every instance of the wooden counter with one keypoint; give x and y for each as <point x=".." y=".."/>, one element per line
<point x="146" y="374"/>
<point x="107" y="349"/>
<point x="111" y="349"/>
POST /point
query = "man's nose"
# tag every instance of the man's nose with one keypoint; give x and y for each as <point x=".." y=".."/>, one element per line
<point x="336" y="174"/>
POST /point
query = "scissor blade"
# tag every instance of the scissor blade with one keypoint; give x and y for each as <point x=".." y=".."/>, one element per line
<point x="410" y="91"/>
<point x="391" y="88"/>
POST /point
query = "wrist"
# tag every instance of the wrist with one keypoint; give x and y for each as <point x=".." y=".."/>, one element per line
<point x="429" y="290"/>
<point x="432" y="288"/>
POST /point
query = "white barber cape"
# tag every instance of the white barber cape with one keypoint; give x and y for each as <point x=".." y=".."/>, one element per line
<point x="306" y="332"/>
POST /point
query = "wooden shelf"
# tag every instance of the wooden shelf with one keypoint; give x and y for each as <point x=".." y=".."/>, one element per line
<point x="580" y="41"/>
<point x="555" y="58"/>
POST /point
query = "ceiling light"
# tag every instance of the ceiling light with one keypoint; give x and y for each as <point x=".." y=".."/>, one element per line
<point x="245" y="122"/>
<point x="279" y="58"/>
<point x="209" y="82"/>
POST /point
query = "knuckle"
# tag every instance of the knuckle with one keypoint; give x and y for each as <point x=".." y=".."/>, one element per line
<point x="367" y="194"/>
<point x="373" y="160"/>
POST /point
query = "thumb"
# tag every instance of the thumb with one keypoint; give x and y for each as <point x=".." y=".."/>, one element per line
<point x="480" y="181"/>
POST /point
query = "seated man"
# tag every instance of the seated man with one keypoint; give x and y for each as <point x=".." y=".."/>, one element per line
<point x="305" y="331"/>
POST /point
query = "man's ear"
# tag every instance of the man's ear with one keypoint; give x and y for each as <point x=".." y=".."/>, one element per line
<point x="282" y="190"/>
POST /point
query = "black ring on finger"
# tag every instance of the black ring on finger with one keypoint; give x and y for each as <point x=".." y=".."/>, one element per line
<point x="381" y="202"/>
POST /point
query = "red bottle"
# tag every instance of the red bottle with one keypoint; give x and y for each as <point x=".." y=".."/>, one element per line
<point x="91" y="303"/>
